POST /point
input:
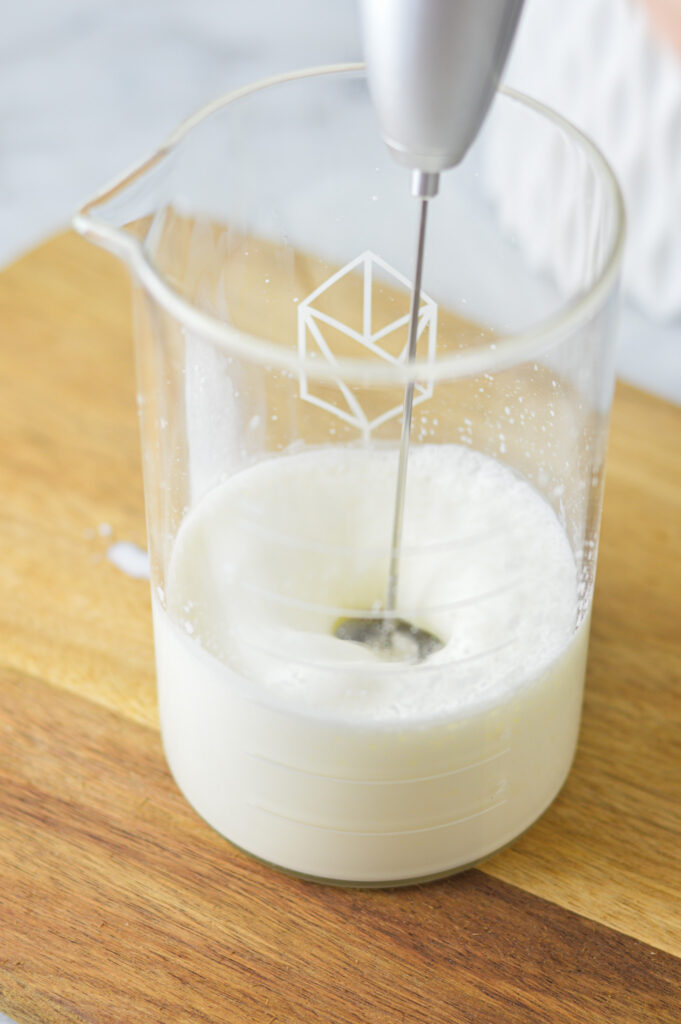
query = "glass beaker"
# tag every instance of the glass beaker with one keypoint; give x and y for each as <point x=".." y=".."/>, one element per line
<point x="271" y="244"/>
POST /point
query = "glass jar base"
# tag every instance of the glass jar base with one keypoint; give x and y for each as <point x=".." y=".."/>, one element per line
<point x="398" y="883"/>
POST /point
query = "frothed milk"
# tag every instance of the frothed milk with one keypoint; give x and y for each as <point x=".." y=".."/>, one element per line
<point x="314" y="753"/>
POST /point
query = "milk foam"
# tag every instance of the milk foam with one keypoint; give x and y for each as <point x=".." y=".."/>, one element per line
<point x="269" y="561"/>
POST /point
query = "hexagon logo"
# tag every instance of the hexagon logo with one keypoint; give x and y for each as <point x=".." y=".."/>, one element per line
<point x="317" y="329"/>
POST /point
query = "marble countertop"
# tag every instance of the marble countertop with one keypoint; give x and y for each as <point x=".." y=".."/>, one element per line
<point x="89" y="87"/>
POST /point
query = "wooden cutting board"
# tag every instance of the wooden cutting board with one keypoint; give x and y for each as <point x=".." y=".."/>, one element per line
<point x="118" y="904"/>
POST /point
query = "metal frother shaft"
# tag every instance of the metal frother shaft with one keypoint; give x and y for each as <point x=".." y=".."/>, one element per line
<point x="398" y="515"/>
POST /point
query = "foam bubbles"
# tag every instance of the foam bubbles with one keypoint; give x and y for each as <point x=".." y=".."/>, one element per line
<point x="268" y="562"/>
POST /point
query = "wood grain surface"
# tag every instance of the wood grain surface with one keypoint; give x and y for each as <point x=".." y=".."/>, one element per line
<point x="127" y="907"/>
<point x="117" y="903"/>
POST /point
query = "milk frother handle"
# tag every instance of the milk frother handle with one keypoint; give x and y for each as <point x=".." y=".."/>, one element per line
<point x="433" y="67"/>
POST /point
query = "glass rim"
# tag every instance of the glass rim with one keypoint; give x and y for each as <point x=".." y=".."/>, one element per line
<point x="509" y="348"/>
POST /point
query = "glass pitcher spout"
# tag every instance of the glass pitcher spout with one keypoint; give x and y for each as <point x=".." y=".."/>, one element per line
<point x="119" y="216"/>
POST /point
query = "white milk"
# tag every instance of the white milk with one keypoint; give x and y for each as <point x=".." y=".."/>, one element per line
<point x="312" y="752"/>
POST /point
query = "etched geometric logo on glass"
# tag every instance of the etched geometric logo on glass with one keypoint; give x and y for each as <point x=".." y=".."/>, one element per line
<point x="312" y="322"/>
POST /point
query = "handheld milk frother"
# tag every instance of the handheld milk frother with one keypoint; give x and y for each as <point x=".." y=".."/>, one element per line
<point x="433" y="67"/>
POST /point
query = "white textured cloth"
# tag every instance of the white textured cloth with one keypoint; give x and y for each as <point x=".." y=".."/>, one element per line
<point x="599" y="64"/>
